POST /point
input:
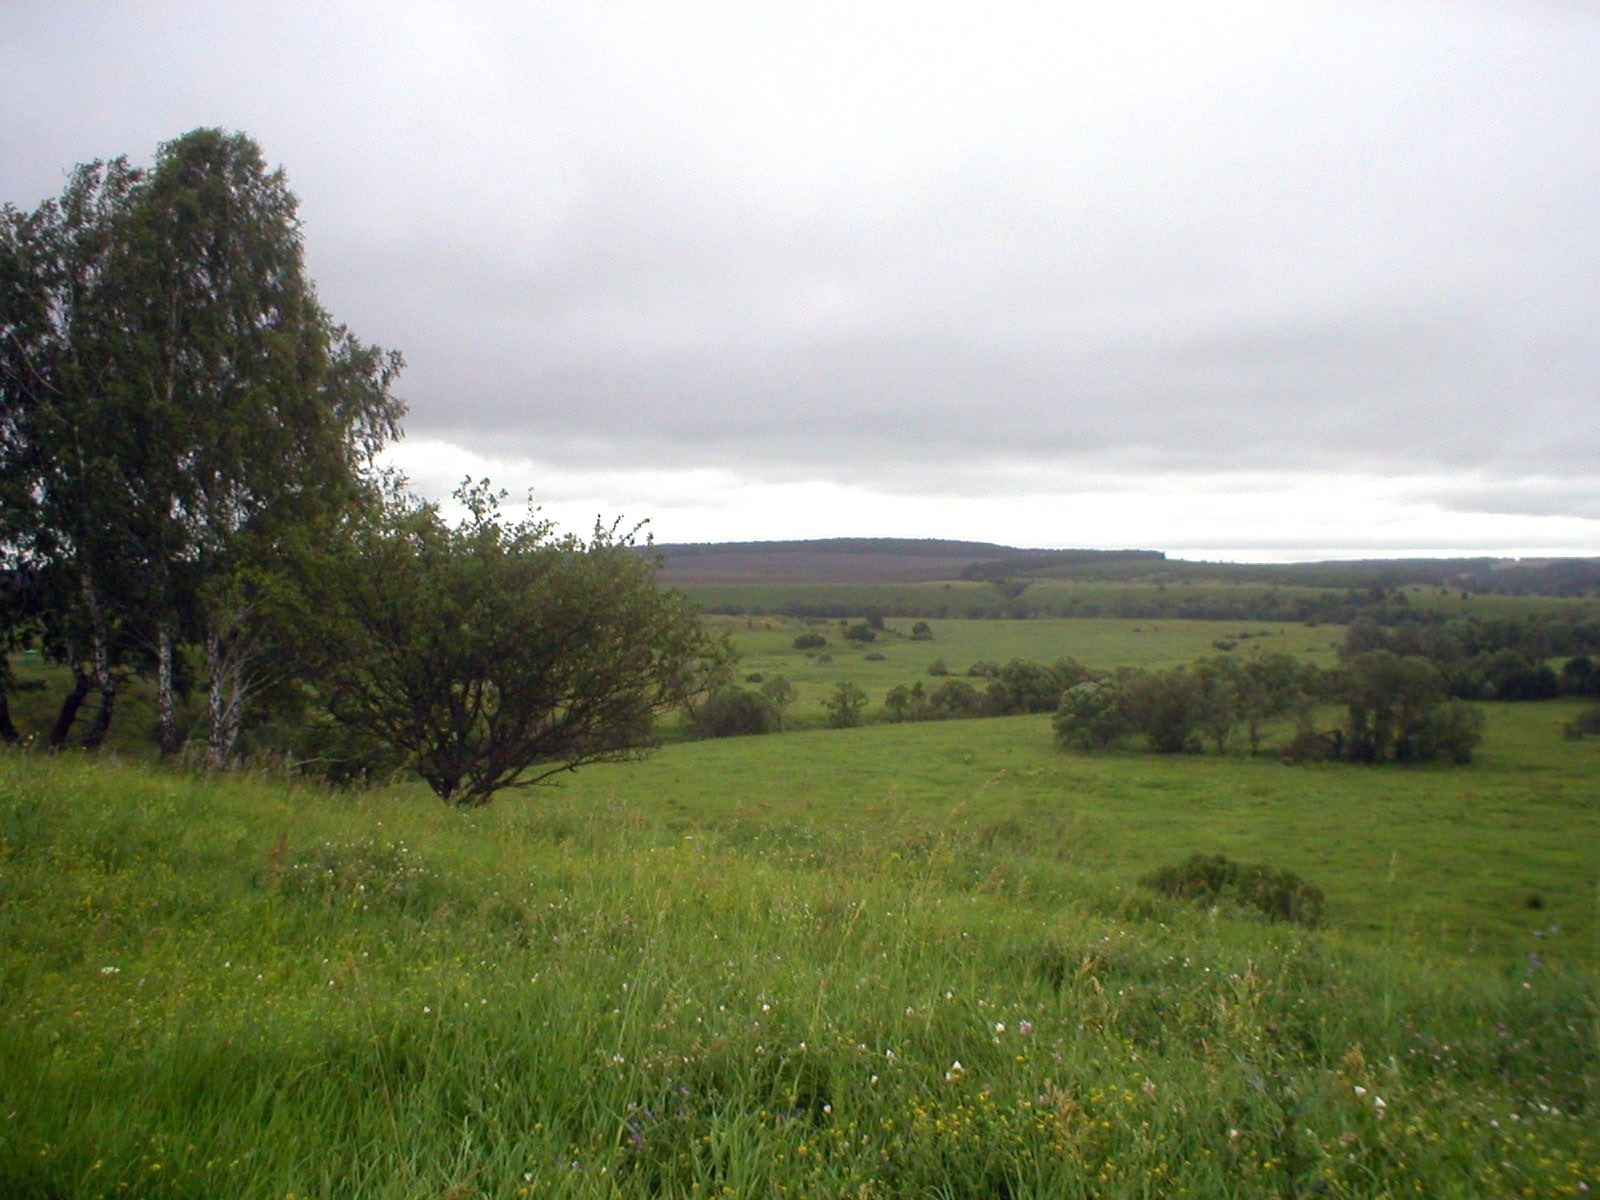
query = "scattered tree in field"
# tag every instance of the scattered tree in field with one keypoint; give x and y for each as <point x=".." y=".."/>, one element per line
<point x="1397" y="711"/>
<point x="810" y="641"/>
<point x="921" y="632"/>
<point x="1094" y="715"/>
<point x="497" y="654"/>
<point x="732" y="712"/>
<point x="1168" y="707"/>
<point x="845" y="706"/>
<point x="1021" y="686"/>
<point x="861" y="632"/>
<point x="779" y="693"/>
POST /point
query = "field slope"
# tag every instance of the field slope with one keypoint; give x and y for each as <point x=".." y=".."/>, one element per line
<point x="893" y="961"/>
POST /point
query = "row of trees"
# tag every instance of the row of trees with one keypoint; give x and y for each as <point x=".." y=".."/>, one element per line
<point x="1503" y="658"/>
<point x="1396" y="709"/>
<point x="187" y="488"/>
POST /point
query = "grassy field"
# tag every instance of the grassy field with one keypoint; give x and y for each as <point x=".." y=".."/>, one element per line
<point x="892" y="961"/>
<point x="766" y="647"/>
<point x="1091" y="598"/>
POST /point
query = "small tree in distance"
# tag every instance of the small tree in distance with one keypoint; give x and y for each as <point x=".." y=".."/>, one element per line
<point x="497" y="654"/>
<point x="845" y="705"/>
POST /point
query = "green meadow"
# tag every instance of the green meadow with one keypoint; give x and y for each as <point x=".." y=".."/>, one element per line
<point x="766" y="647"/>
<point x="906" y="960"/>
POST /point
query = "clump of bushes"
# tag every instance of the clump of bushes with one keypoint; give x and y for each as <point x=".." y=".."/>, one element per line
<point x="1584" y="724"/>
<point x="860" y="633"/>
<point x="1278" y="894"/>
<point x="810" y="641"/>
<point x="733" y="712"/>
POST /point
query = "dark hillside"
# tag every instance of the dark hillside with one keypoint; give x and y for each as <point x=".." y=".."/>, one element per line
<point x="860" y="560"/>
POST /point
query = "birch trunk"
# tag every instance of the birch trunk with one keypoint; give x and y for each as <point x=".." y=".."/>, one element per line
<point x="104" y="679"/>
<point x="224" y="700"/>
<point x="70" y="705"/>
<point x="166" y="706"/>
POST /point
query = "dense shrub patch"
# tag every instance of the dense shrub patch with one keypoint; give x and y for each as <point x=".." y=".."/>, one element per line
<point x="1212" y="878"/>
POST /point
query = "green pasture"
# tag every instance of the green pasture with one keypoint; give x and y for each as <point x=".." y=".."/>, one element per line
<point x="895" y="961"/>
<point x="766" y="648"/>
<point x="1047" y="597"/>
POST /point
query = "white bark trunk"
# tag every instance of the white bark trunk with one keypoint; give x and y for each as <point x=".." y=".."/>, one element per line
<point x="166" y="706"/>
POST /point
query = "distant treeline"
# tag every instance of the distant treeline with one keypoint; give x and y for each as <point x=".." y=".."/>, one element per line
<point x="891" y="547"/>
<point x="1498" y="576"/>
<point x="1039" y="562"/>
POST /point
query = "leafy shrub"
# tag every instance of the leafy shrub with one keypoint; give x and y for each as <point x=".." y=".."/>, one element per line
<point x="939" y="667"/>
<point x="955" y="698"/>
<point x="1211" y="878"/>
<point x="906" y="703"/>
<point x="733" y="712"/>
<point x="810" y="641"/>
<point x="872" y="656"/>
<point x="1093" y="715"/>
<point x="1584" y="724"/>
<point x="983" y="670"/>
<point x="845" y="705"/>
<point x="860" y="633"/>
<point x="1030" y="687"/>
<point x="1168" y="707"/>
<point x="1452" y="730"/>
<point x="779" y="693"/>
<point x="922" y="632"/>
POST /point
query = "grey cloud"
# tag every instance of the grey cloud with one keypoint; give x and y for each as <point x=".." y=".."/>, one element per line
<point x="914" y="254"/>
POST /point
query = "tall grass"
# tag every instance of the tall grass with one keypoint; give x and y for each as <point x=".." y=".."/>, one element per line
<point x="679" y="979"/>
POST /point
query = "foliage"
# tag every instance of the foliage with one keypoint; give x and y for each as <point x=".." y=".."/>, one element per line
<point x="861" y="632"/>
<point x="779" y="693"/>
<point x="921" y="631"/>
<point x="845" y="705"/>
<point x="1094" y="715"/>
<point x="1169" y="708"/>
<point x="1584" y="724"/>
<point x="1210" y="879"/>
<point x="1397" y="711"/>
<point x="810" y="641"/>
<point x="733" y="712"/>
<point x="496" y="654"/>
<point x="176" y="406"/>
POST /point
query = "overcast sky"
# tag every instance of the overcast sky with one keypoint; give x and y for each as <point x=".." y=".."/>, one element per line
<point x="1276" y="280"/>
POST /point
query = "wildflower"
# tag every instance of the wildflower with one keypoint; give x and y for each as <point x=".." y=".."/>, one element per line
<point x="110" y="970"/>
<point x="999" y="1026"/>
<point x="1024" y="1027"/>
<point x="956" y="1070"/>
<point x="1360" y="1091"/>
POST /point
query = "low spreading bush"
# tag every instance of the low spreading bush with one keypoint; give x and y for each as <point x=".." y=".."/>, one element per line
<point x="733" y="712"/>
<point x="1212" y="879"/>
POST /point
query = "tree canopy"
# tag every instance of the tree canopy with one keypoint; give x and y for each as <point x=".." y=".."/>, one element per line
<point x="496" y="653"/>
